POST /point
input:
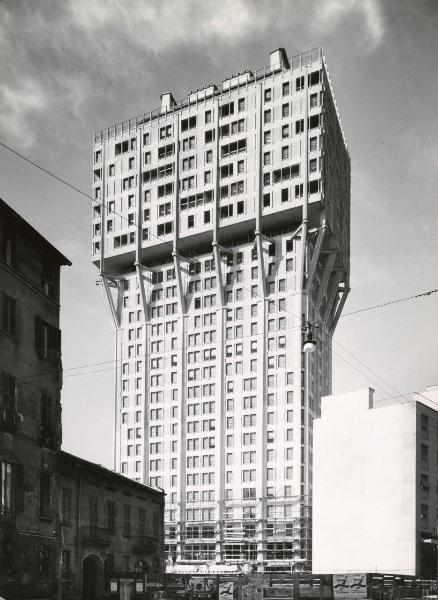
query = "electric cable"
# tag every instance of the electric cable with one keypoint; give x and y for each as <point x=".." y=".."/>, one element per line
<point x="78" y="190"/>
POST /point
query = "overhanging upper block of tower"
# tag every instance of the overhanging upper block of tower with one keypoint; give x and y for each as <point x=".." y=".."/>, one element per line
<point x="255" y="149"/>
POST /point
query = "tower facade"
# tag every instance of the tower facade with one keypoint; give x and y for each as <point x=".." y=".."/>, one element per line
<point x="220" y="228"/>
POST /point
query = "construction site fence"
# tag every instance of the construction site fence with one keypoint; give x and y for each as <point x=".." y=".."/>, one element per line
<point x="284" y="586"/>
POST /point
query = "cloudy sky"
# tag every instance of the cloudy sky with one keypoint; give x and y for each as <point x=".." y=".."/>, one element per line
<point x="70" y="67"/>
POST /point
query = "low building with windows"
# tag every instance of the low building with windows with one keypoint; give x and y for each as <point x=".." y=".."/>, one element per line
<point x="111" y="531"/>
<point x="375" y="485"/>
<point x="61" y="518"/>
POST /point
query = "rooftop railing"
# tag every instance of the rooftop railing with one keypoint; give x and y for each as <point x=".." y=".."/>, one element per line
<point x="131" y="125"/>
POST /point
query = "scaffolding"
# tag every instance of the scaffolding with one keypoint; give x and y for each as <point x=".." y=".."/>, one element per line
<point x="270" y="533"/>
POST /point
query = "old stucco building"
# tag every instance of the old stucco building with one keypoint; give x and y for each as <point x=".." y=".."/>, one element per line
<point x="56" y="540"/>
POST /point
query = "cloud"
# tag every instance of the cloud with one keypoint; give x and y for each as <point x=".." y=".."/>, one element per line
<point x="19" y="100"/>
<point x="65" y="64"/>
<point x="332" y="14"/>
<point x="157" y="26"/>
<point x="62" y="59"/>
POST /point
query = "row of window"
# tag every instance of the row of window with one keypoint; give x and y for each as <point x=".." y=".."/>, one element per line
<point x="247" y="494"/>
<point x="47" y="338"/>
<point x="225" y="110"/>
<point x="226" y="211"/>
<point x="226" y="170"/>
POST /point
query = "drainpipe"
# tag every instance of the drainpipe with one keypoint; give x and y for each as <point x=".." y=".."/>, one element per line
<point x="78" y="533"/>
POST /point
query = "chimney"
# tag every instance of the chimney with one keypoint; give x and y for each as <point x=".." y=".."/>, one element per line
<point x="167" y="101"/>
<point x="279" y="59"/>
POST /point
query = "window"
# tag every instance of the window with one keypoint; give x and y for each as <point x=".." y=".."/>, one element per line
<point x="285" y="110"/>
<point x="45" y="560"/>
<point x="268" y="95"/>
<point x="164" y="228"/>
<point x="424" y="482"/>
<point x="314" y="186"/>
<point x="314" y="121"/>
<point x="164" y="151"/>
<point x="286" y="88"/>
<point x="299" y="126"/>
<point x="208" y="116"/>
<point x="8" y="392"/>
<point x="233" y="148"/>
<point x="165" y="132"/>
<point x="7" y="487"/>
<point x="209" y="136"/>
<point x="66" y="504"/>
<point x="299" y="83"/>
<point x="126" y="563"/>
<point x="110" y="515"/>
<point x="8" y="315"/>
<point x="45" y="495"/>
<point x="314" y="78"/>
<point x="313" y="144"/>
<point x="188" y="123"/>
<point x="424" y="453"/>
<point x="65" y="564"/>
<point x="226" y="109"/>
<point x="126" y="520"/>
<point x="299" y="190"/>
<point x="424" y="423"/>
<point x="47" y="340"/>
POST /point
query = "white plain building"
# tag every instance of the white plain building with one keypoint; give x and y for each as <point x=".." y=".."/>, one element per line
<point x="375" y="485"/>
<point x="221" y="225"/>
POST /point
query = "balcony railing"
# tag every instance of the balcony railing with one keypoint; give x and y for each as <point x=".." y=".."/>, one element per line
<point x="8" y="420"/>
<point x="145" y="543"/>
<point x="92" y="535"/>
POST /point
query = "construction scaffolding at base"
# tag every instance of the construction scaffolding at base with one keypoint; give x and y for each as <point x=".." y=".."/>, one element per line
<point x="272" y="532"/>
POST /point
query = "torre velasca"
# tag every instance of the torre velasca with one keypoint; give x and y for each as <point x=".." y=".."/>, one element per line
<point x="221" y="227"/>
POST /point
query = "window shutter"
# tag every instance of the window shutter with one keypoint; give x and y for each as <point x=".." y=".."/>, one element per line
<point x="55" y="340"/>
<point x="12" y="317"/>
<point x="4" y="321"/>
<point x="19" y="488"/>
<point x="38" y="335"/>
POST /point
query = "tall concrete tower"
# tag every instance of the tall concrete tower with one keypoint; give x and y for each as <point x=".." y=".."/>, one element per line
<point x="220" y="228"/>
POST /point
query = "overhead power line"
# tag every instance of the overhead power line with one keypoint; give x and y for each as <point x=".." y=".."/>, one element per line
<point x="82" y="193"/>
<point x="360" y="310"/>
<point x="168" y="352"/>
